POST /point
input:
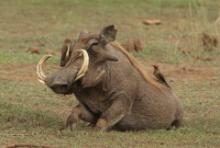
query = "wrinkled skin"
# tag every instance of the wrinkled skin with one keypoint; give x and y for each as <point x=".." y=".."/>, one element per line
<point x="112" y="94"/>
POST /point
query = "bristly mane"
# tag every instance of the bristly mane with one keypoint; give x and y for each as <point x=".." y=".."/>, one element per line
<point x="136" y="64"/>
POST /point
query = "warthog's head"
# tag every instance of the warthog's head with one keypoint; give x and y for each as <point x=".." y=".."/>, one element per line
<point x="82" y="60"/>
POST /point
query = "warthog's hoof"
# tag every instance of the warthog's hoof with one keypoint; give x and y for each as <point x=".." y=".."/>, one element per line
<point x="102" y="125"/>
<point x="70" y="122"/>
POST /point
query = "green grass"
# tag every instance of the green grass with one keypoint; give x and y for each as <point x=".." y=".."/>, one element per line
<point x="32" y="113"/>
<point x="22" y="57"/>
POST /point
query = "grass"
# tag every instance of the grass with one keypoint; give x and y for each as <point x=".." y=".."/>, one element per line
<point x="32" y="113"/>
<point x="21" y="57"/>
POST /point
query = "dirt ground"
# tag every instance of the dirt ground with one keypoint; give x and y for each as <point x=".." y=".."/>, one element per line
<point x="185" y="45"/>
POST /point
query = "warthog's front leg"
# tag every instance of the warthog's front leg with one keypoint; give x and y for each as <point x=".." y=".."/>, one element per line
<point x="119" y="108"/>
<point x="79" y="112"/>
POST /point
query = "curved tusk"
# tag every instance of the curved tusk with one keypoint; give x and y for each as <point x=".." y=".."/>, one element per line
<point x="84" y="66"/>
<point x="41" y="81"/>
<point x="40" y="73"/>
<point x="68" y="51"/>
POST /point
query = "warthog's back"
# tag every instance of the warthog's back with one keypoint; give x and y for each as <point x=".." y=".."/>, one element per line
<point x="153" y="107"/>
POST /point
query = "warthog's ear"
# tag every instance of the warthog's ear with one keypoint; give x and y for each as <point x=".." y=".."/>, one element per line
<point x="108" y="34"/>
<point x="82" y="34"/>
<point x="65" y="52"/>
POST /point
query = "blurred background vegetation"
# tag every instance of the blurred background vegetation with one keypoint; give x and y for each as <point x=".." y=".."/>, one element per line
<point x="183" y="45"/>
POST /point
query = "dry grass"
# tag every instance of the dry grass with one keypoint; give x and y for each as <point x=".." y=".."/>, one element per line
<point x="31" y="114"/>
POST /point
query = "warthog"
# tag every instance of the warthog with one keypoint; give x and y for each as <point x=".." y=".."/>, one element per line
<point x="113" y="91"/>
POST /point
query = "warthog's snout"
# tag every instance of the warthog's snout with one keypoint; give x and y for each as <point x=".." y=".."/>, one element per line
<point x="62" y="81"/>
<point x="60" y="88"/>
